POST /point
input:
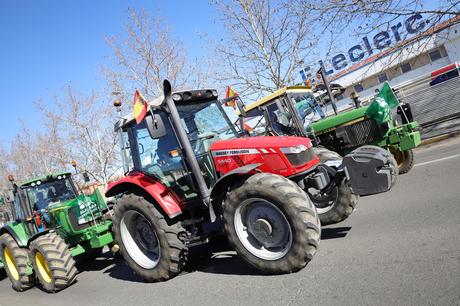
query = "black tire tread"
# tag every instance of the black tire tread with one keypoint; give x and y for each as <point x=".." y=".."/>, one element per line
<point x="408" y="162"/>
<point x="346" y="200"/>
<point x="59" y="259"/>
<point x="21" y="259"/>
<point x="174" y="251"/>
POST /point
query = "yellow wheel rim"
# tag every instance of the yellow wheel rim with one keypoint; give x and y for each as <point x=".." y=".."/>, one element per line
<point x="398" y="155"/>
<point x="11" y="264"/>
<point x="42" y="267"/>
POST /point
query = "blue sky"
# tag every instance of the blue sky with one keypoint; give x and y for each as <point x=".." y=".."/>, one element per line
<point x="45" y="45"/>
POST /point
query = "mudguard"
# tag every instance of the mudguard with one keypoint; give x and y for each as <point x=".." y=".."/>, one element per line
<point x="225" y="180"/>
<point x="18" y="231"/>
<point x="159" y="192"/>
<point x="370" y="170"/>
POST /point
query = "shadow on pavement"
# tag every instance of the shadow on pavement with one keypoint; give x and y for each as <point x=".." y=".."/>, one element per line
<point x="218" y="258"/>
<point x="334" y="232"/>
<point x="113" y="266"/>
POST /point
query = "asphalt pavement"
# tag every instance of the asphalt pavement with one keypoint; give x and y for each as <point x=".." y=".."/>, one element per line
<point x="398" y="248"/>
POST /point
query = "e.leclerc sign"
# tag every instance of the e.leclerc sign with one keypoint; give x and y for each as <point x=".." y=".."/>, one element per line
<point x="366" y="47"/>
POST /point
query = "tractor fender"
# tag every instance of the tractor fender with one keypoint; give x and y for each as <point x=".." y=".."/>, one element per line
<point x="142" y="183"/>
<point x="18" y="231"/>
<point x="223" y="182"/>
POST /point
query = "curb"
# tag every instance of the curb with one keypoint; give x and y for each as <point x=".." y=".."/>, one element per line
<point x="438" y="138"/>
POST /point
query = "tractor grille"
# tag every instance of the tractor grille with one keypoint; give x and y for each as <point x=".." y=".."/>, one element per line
<point x="297" y="159"/>
<point x="361" y="133"/>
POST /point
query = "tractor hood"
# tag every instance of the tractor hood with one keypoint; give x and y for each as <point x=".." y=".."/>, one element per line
<point x="338" y="120"/>
<point x="262" y="142"/>
<point x="83" y="208"/>
<point x="286" y="155"/>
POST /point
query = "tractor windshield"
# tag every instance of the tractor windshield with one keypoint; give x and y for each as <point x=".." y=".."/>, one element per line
<point x="41" y="195"/>
<point x="280" y="111"/>
<point x="205" y="119"/>
<point x="204" y="123"/>
<point x="306" y="106"/>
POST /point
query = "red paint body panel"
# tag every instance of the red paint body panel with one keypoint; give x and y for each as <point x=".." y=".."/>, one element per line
<point x="260" y="142"/>
<point x="162" y="194"/>
<point x="234" y="153"/>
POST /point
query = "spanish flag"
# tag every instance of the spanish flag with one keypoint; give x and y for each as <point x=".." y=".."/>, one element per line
<point x="140" y="107"/>
<point x="231" y="93"/>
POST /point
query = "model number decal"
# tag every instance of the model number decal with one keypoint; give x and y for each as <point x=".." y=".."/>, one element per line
<point x="235" y="152"/>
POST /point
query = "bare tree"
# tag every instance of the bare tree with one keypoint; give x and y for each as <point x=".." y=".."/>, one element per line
<point x="82" y="129"/>
<point x="31" y="154"/>
<point x="267" y="42"/>
<point x="147" y="55"/>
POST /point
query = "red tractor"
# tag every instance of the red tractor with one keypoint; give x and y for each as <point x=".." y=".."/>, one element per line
<point x="189" y="176"/>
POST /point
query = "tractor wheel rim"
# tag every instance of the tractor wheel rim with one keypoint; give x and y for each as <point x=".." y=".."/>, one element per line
<point x="323" y="203"/>
<point x="263" y="229"/>
<point x="140" y="239"/>
<point x="43" y="268"/>
<point x="11" y="264"/>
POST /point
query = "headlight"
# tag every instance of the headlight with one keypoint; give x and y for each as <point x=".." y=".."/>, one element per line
<point x="176" y="97"/>
<point x="294" y="150"/>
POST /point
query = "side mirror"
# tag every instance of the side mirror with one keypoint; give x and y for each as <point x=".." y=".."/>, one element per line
<point x="155" y="126"/>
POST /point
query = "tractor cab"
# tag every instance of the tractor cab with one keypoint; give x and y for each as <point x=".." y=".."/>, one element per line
<point x="288" y="111"/>
<point x="42" y="194"/>
<point x="158" y="154"/>
<point x="54" y="200"/>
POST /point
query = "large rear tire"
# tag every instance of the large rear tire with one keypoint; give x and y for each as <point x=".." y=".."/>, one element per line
<point x="148" y="243"/>
<point x="340" y="202"/>
<point x="53" y="263"/>
<point x="15" y="261"/>
<point x="271" y="223"/>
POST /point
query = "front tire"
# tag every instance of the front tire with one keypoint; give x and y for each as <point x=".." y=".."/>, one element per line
<point x="15" y="261"/>
<point x="53" y="263"/>
<point x="149" y="245"/>
<point x="340" y="203"/>
<point x="271" y="224"/>
<point x="404" y="159"/>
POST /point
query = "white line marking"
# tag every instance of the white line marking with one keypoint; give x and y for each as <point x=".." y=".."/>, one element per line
<point x="437" y="160"/>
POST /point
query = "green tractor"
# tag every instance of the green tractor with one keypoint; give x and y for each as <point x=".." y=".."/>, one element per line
<point x="295" y="110"/>
<point x="53" y="224"/>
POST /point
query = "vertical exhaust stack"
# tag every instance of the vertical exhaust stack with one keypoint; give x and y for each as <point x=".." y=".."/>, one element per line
<point x="188" y="150"/>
